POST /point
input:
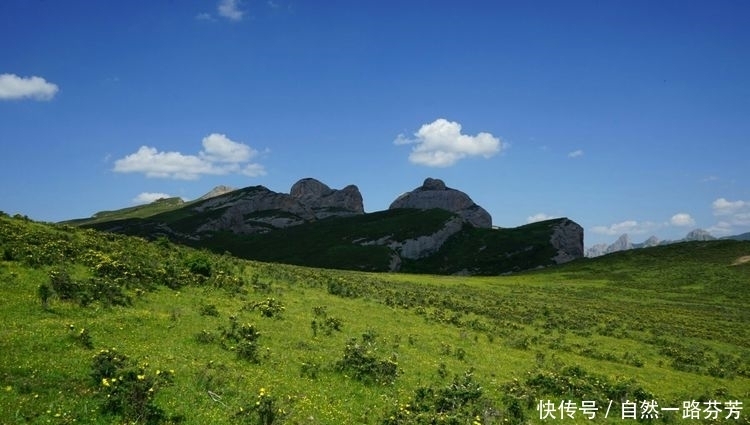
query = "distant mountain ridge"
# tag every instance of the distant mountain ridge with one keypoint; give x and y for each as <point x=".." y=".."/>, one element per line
<point x="623" y="243"/>
<point x="432" y="229"/>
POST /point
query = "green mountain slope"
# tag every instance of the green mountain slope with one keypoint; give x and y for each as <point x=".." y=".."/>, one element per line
<point x="351" y="242"/>
<point x="138" y="211"/>
<point x="214" y="339"/>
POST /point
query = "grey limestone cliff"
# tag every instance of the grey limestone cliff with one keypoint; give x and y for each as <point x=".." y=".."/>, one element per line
<point x="259" y="209"/>
<point x="567" y="239"/>
<point x="435" y="194"/>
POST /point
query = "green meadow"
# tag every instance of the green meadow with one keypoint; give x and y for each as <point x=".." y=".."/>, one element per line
<point x="109" y="329"/>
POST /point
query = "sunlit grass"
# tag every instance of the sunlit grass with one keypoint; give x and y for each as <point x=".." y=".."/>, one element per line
<point x="434" y="327"/>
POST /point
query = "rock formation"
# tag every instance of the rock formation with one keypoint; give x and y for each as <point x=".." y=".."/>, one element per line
<point x="217" y="191"/>
<point x="567" y="238"/>
<point x="259" y="209"/>
<point x="434" y="194"/>
<point x="327" y="202"/>
<point x="699" y="235"/>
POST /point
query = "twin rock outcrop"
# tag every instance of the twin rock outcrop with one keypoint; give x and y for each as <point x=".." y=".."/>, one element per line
<point x="258" y="209"/>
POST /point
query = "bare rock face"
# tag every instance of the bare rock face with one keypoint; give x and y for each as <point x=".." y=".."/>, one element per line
<point x="217" y="191"/>
<point x="434" y="194"/>
<point x="567" y="239"/>
<point x="427" y="245"/>
<point x="327" y="202"/>
<point x="259" y="209"/>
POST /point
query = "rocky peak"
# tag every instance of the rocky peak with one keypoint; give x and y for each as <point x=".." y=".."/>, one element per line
<point x="309" y="189"/>
<point x="652" y="241"/>
<point x="622" y="243"/>
<point x="217" y="191"/>
<point x="435" y="194"/>
<point x="325" y="201"/>
<point x="699" y="235"/>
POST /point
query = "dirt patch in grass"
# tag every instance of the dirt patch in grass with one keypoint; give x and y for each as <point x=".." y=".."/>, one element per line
<point x="741" y="260"/>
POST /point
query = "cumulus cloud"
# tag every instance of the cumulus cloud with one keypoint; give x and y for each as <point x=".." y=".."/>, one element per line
<point x="149" y="197"/>
<point x="539" y="217"/>
<point x="682" y="220"/>
<point x="628" y="226"/>
<point x="220" y="155"/>
<point x="722" y="206"/>
<point x="230" y="9"/>
<point x="735" y="216"/>
<point x="575" y="154"/>
<point x="14" y="87"/>
<point x="441" y="144"/>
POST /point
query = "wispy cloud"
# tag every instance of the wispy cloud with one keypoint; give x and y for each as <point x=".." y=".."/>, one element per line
<point x="230" y="9"/>
<point x="205" y="17"/>
<point x="220" y="155"/>
<point x="441" y="144"/>
<point x="149" y="197"/>
<point x="539" y="217"/>
<point x="575" y="154"/>
<point x="682" y="220"/>
<point x="628" y="226"/>
<point x="14" y="87"/>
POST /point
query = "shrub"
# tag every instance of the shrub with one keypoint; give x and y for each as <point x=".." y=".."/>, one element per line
<point x="263" y="412"/>
<point x="205" y="337"/>
<point x="44" y="292"/>
<point x="359" y="360"/>
<point x="244" y="339"/>
<point x="63" y="284"/>
<point x="128" y="389"/>
<point x="270" y="307"/>
<point x="209" y="310"/>
<point x="460" y="402"/>
<point x="82" y="337"/>
<point x="199" y="265"/>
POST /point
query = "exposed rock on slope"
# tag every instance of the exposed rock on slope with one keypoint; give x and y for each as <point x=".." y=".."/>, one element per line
<point x="434" y="194"/>
<point x="567" y="239"/>
<point x="326" y="202"/>
<point x="259" y="209"/>
<point x="217" y="191"/>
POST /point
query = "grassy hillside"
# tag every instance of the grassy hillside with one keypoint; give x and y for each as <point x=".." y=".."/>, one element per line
<point x="139" y="211"/>
<point x="103" y="328"/>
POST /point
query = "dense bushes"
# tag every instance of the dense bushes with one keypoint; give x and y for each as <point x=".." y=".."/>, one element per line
<point x="461" y="402"/>
<point x="359" y="361"/>
<point x="127" y="388"/>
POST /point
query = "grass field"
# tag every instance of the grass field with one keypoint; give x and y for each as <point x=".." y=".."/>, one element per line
<point x="213" y="339"/>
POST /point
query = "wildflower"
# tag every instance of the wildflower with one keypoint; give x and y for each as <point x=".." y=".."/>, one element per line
<point x="105" y="382"/>
<point x="141" y="377"/>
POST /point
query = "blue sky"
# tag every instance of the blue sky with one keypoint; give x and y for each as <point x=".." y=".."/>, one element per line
<point x="626" y="116"/>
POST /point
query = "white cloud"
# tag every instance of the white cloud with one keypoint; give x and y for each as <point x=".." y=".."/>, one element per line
<point x="628" y="226"/>
<point x="14" y="87"/>
<point x="230" y="9"/>
<point x="539" y="217"/>
<point x="219" y="156"/>
<point x="219" y="148"/>
<point x="441" y="144"/>
<point x="575" y="154"/>
<point x="723" y="207"/>
<point x="149" y="197"/>
<point x="735" y="216"/>
<point x="722" y="228"/>
<point x="682" y="219"/>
